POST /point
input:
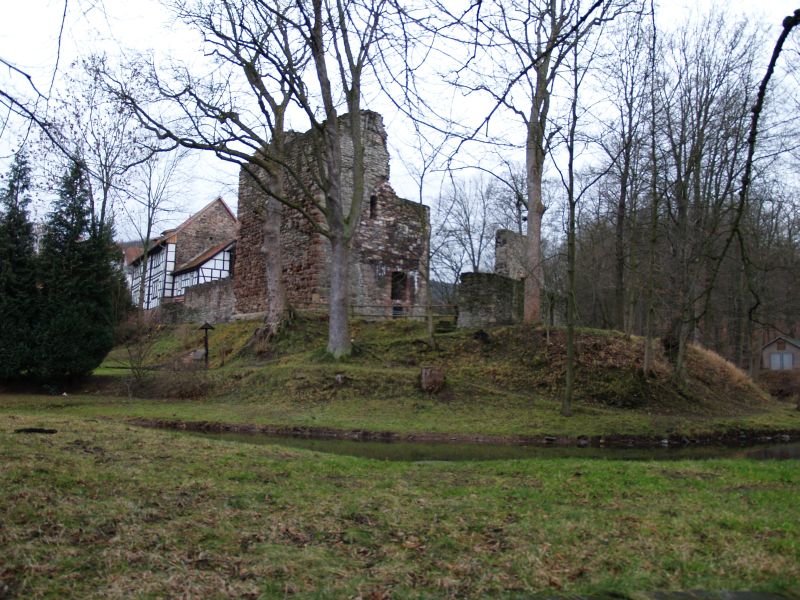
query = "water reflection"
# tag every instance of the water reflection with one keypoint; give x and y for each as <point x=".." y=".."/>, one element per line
<point x="437" y="451"/>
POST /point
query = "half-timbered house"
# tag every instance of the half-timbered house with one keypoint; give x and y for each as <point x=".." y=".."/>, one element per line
<point x="199" y="250"/>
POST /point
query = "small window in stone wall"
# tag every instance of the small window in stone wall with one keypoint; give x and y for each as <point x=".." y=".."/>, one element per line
<point x="373" y="206"/>
<point x="399" y="285"/>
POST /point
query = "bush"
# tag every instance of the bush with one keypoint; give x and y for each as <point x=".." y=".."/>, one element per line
<point x="783" y="385"/>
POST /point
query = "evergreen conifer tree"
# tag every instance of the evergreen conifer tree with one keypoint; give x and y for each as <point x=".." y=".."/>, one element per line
<point x="17" y="272"/>
<point x="78" y="279"/>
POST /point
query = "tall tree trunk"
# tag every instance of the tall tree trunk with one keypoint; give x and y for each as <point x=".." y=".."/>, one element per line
<point x="619" y="243"/>
<point x="143" y="276"/>
<point x="649" y="299"/>
<point x="566" y="404"/>
<point x="427" y="278"/>
<point x="535" y="270"/>
<point x="632" y="323"/>
<point x="569" y="388"/>
<point x="273" y="265"/>
<point x="339" y="343"/>
<point x="534" y="167"/>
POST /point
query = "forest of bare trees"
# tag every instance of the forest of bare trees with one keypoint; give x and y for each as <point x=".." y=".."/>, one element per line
<point x="663" y="244"/>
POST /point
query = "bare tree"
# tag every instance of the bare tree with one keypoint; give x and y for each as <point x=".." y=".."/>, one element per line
<point x="627" y="78"/>
<point x="578" y="64"/>
<point x="313" y="55"/>
<point x="151" y="197"/>
<point x="705" y="106"/>
<point x="448" y="260"/>
<point x="469" y="225"/>
<point x="91" y="125"/>
<point x="649" y="295"/>
<point x="430" y="154"/>
<point x="525" y="43"/>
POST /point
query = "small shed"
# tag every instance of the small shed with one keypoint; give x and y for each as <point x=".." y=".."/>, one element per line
<point x="781" y="354"/>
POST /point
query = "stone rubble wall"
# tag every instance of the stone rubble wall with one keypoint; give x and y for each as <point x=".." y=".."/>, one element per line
<point x="211" y="302"/>
<point x="510" y="254"/>
<point x="489" y="299"/>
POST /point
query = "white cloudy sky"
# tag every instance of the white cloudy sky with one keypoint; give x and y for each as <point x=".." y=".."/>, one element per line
<point x="29" y="39"/>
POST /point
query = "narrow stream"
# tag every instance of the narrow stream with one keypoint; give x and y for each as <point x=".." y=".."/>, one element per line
<point x="437" y="451"/>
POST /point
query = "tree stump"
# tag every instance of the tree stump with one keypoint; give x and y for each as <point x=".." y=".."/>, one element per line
<point x="431" y="379"/>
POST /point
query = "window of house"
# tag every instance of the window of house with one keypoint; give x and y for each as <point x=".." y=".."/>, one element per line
<point x="781" y="361"/>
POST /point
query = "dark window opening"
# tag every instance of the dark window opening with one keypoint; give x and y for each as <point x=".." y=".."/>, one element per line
<point x="399" y="284"/>
<point x="373" y="206"/>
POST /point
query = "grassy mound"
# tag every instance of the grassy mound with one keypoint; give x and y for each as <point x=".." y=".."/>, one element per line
<point x="502" y="363"/>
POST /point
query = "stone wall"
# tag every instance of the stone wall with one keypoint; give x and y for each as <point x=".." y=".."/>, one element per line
<point x="208" y="228"/>
<point x="509" y="254"/>
<point x="303" y="251"/>
<point x="392" y="239"/>
<point x="487" y="299"/>
<point x="391" y="236"/>
<point x="209" y="302"/>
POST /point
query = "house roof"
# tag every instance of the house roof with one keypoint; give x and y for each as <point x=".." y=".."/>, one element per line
<point x="203" y="257"/>
<point x="792" y="341"/>
<point x="131" y="254"/>
<point x="169" y="233"/>
<point x="136" y="253"/>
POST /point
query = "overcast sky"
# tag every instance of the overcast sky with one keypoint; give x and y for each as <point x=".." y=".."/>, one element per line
<point x="29" y="39"/>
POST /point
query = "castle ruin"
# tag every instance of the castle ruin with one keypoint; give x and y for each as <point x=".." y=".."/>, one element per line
<point x="389" y="255"/>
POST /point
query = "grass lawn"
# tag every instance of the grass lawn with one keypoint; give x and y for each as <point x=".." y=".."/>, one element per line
<point x="103" y="509"/>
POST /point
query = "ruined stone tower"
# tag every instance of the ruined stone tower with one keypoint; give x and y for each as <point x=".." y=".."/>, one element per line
<point x="389" y="257"/>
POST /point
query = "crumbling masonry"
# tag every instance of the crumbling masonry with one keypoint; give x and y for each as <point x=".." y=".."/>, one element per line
<point x="389" y="258"/>
<point x="489" y="299"/>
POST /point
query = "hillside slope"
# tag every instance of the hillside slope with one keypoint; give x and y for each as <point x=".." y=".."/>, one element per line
<point x="512" y="363"/>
